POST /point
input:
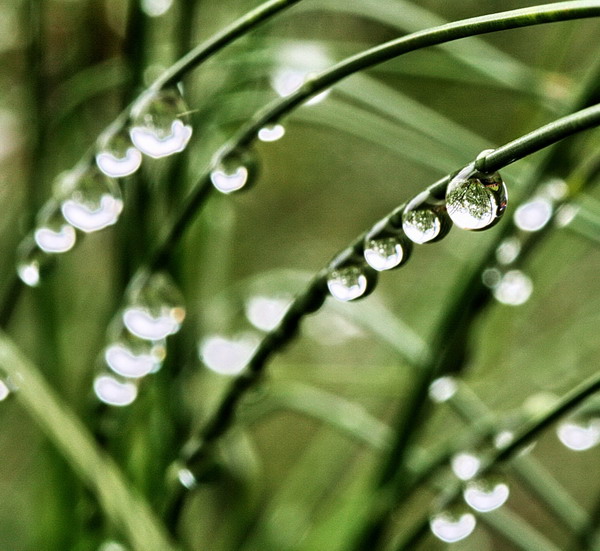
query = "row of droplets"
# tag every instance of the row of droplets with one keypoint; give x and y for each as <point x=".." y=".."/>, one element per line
<point x="473" y="201"/>
<point x="88" y="197"/>
<point x="579" y="432"/>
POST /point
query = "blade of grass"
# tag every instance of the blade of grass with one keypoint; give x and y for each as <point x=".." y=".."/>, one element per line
<point x="119" y="501"/>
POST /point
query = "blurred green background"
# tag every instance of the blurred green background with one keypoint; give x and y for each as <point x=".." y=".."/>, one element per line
<point x="302" y="456"/>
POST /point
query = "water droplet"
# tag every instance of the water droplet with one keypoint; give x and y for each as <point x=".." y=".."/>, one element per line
<point x="112" y="546"/>
<point x="287" y="80"/>
<point x="566" y="214"/>
<point x="134" y="362"/>
<point x="385" y="247"/>
<point x="465" y="465"/>
<point x="156" y="308"/>
<point x="114" y="392"/>
<point x="53" y="234"/>
<point x="271" y="133"/>
<point x="116" y="157"/>
<point x="476" y="201"/>
<point x="4" y="390"/>
<point x="491" y="277"/>
<point x="158" y="127"/>
<point x="425" y="219"/>
<point x="351" y="279"/>
<point x="503" y="439"/>
<point x="234" y="171"/>
<point x="265" y="313"/>
<point x="514" y="288"/>
<point x="228" y="356"/>
<point x="90" y="200"/>
<point x="579" y="434"/>
<point x="508" y="250"/>
<point x="32" y="262"/>
<point x="533" y="215"/>
<point x="451" y="526"/>
<point x="486" y="495"/>
<point x="442" y="389"/>
<point x="156" y="8"/>
<point x="187" y="479"/>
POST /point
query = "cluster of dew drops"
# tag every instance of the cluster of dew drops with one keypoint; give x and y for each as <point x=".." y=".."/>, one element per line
<point x="88" y="199"/>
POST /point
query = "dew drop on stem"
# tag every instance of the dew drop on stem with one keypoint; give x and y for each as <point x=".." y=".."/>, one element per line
<point x="114" y="391"/>
<point x="465" y="465"/>
<point x="159" y="123"/>
<point x="90" y="200"/>
<point x="155" y="307"/>
<point x="271" y="133"/>
<point x="486" y="494"/>
<point x="425" y="220"/>
<point x="475" y="200"/>
<point x="579" y="433"/>
<point x="228" y="355"/>
<point x="53" y="234"/>
<point x="132" y="357"/>
<point x="386" y="247"/>
<point x="350" y="278"/>
<point x="453" y="524"/>
<point x="234" y="171"/>
<point x="117" y="157"/>
<point x="32" y="262"/>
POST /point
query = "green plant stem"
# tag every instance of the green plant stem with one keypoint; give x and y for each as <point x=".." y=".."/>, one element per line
<point x="525" y="436"/>
<point x="120" y="503"/>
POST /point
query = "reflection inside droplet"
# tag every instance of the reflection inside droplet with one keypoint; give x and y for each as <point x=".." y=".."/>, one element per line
<point x="52" y="241"/>
<point x="579" y="435"/>
<point x="228" y="356"/>
<point x="449" y="527"/>
<point x="265" y="313"/>
<point x="271" y="133"/>
<point x="348" y="283"/>
<point x="229" y="181"/>
<point x="384" y="254"/>
<point x="144" y="325"/>
<point x="156" y="144"/>
<point x="442" y="389"/>
<point x="89" y="219"/>
<point x="533" y="215"/>
<point x="113" y="392"/>
<point x="123" y="361"/>
<point x="119" y="167"/>
<point x="421" y="225"/>
<point x="484" y="496"/>
<point x="514" y="288"/>
<point x="465" y="465"/>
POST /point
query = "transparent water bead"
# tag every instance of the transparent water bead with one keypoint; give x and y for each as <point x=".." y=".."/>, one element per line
<point x="513" y="289"/>
<point x="159" y="124"/>
<point x="128" y="360"/>
<point x="385" y="247"/>
<point x="425" y="219"/>
<point x="350" y="278"/>
<point x="486" y="495"/>
<point x="579" y="434"/>
<point x="53" y="234"/>
<point x="117" y="157"/>
<point x="271" y="133"/>
<point x="234" y="171"/>
<point x="465" y="465"/>
<point x="533" y="215"/>
<point x="228" y="356"/>
<point x="32" y="262"/>
<point x="265" y="312"/>
<point x="452" y="526"/>
<point x="476" y="201"/>
<point x="155" y="308"/>
<point x="443" y="389"/>
<point x="113" y="392"/>
<point x="90" y="200"/>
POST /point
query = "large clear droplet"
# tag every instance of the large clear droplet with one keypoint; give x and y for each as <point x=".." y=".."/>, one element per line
<point x="486" y="495"/>
<point x="476" y="201"/>
<point x="579" y="434"/>
<point x="159" y="124"/>
<point x="155" y="308"/>
<point x="465" y="465"/>
<point x="228" y="356"/>
<point x="351" y="280"/>
<point x="114" y="392"/>
<point x="385" y="247"/>
<point x="425" y="219"/>
<point x="452" y="526"/>
<point x="513" y="289"/>
<point x="53" y="234"/>
<point x="117" y="157"/>
<point x="132" y="359"/>
<point x="234" y="171"/>
<point x="90" y="200"/>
